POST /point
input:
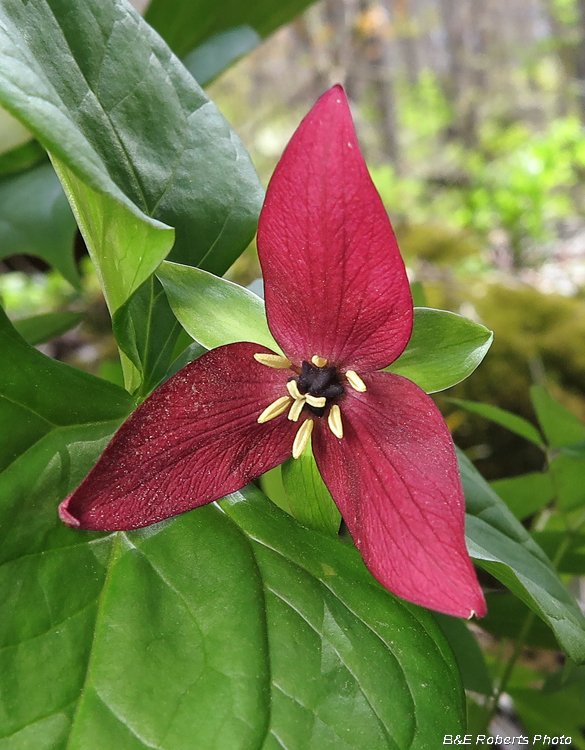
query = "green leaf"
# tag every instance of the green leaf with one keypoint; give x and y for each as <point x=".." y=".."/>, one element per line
<point x="558" y="424"/>
<point x="215" y="311"/>
<point x="40" y="328"/>
<point x="573" y="559"/>
<point x="35" y="219"/>
<point x="39" y="395"/>
<point x="208" y="60"/>
<point x="525" y="494"/>
<point x="136" y="138"/>
<point x="236" y="626"/>
<point x="444" y="349"/>
<point x="506" y="419"/>
<point x="568" y="475"/>
<point x="187" y="23"/>
<point x="469" y="656"/>
<point x="309" y="499"/>
<point x="125" y="249"/>
<point x="149" y="347"/>
<point x="499" y="543"/>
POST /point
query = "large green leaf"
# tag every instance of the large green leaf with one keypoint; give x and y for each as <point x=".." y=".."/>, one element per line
<point x="238" y="627"/>
<point x="186" y="24"/>
<point x="215" y="311"/>
<point x="35" y="219"/>
<point x="39" y="396"/>
<point x="499" y="543"/>
<point x="444" y="349"/>
<point x="506" y="419"/>
<point x="234" y="625"/>
<point x="135" y="138"/>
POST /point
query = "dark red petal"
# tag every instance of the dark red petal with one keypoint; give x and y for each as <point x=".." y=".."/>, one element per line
<point x="395" y="479"/>
<point x="335" y="283"/>
<point x="194" y="440"/>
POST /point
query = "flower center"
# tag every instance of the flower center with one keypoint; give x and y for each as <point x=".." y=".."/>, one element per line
<point x="312" y="388"/>
<point x="319" y="382"/>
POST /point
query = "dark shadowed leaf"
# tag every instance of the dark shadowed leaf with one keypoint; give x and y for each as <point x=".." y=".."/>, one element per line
<point x="35" y="219"/>
<point x="22" y="157"/>
<point x="39" y="395"/>
<point x="186" y="24"/>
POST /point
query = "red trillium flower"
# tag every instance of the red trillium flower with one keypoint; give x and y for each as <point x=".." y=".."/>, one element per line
<point x="338" y="303"/>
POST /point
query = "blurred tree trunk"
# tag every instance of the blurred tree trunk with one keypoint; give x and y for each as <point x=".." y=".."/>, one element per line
<point x="580" y="59"/>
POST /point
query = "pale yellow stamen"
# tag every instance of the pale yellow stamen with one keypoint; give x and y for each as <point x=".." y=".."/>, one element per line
<point x="317" y="401"/>
<point x="302" y="438"/>
<point x="275" y="409"/>
<point x="273" y="360"/>
<point x="293" y="389"/>
<point x="355" y="381"/>
<point x="296" y="409"/>
<point x="334" y="421"/>
<point x="318" y="361"/>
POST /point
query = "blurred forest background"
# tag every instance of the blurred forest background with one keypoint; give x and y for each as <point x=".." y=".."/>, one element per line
<point x="471" y="115"/>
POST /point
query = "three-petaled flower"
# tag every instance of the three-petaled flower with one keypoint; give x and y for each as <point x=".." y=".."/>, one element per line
<point x="338" y="303"/>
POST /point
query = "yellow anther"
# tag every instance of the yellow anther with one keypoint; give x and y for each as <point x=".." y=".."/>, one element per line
<point x="318" y="401"/>
<point x="302" y="438"/>
<point x="293" y="389"/>
<point x="275" y="409"/>
<point x="296" y="409"/>
<point x="334" y="421"/>
<point x="273" y="360"/>
<point x="355" y="381"/>
<point x="319" y="361"/>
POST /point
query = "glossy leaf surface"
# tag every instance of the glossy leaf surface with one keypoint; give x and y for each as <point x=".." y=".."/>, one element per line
<point x="144" y="132"/>
<point x="239" y="627"/>
<point x="501" y="545"/>
<point x="215" y="311"/>
<point x="444" y="349"/>
<point x="35" y="219"/>
<point x="506" y="419"/>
